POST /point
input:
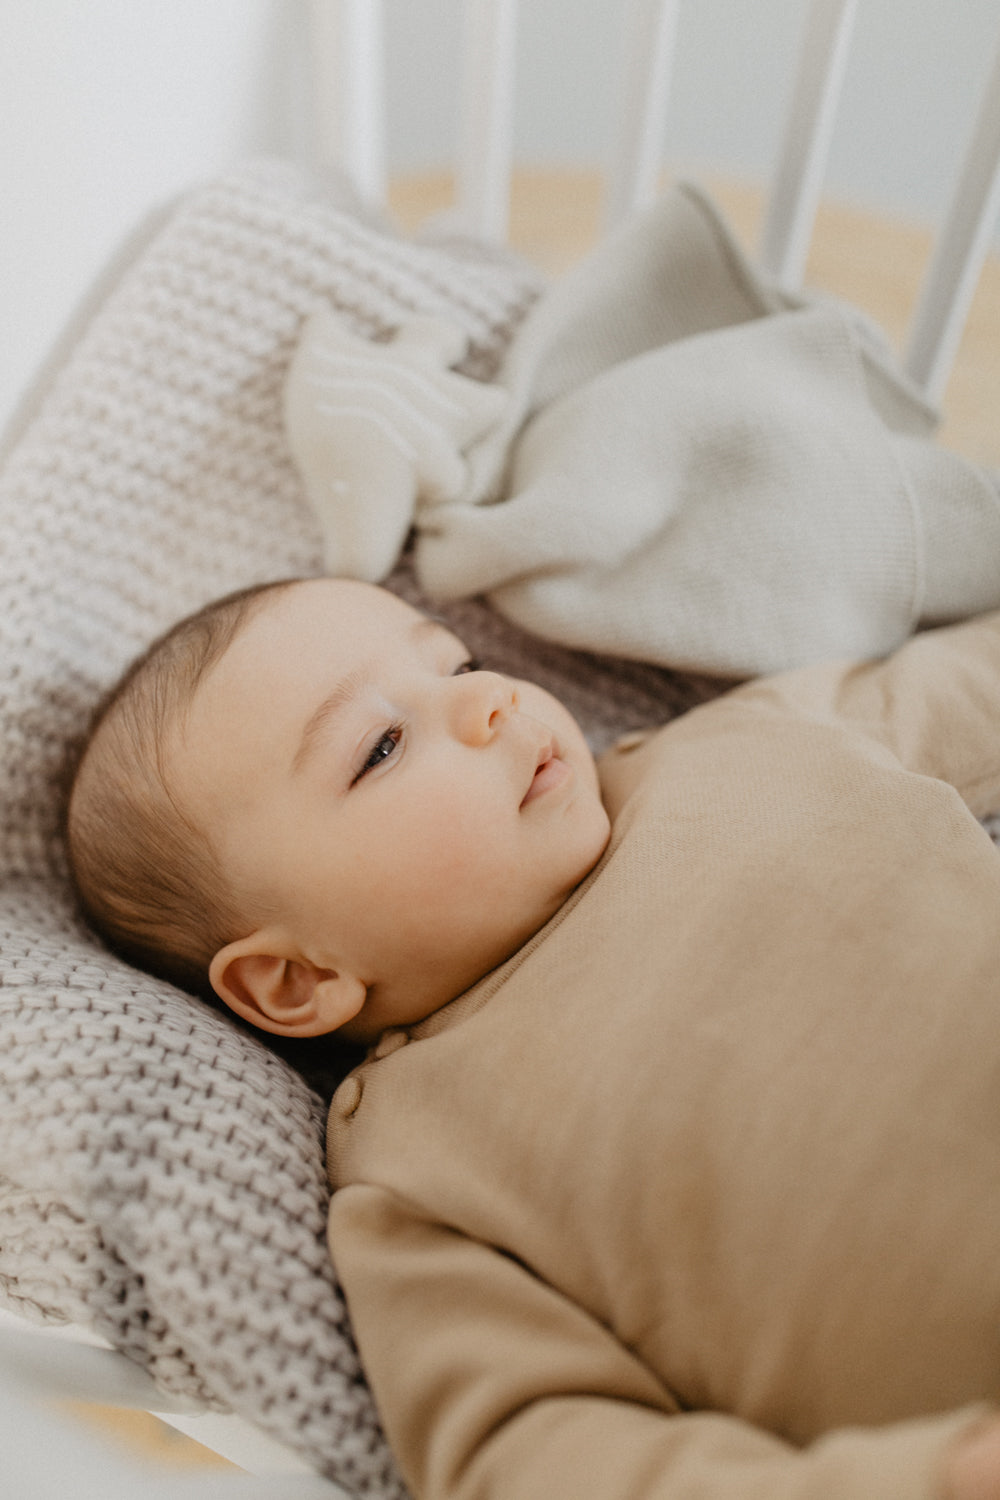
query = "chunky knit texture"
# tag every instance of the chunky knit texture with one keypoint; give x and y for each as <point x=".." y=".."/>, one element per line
<point x="161" y="1172"/>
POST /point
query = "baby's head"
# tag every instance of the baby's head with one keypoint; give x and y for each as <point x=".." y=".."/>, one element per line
<point x="311" y="800"/>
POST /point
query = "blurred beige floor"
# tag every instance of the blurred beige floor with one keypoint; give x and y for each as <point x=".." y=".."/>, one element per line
<point x="875" y="263"/>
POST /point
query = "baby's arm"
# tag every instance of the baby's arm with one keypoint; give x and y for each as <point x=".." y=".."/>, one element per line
<point x="490" y="1383"/>
<point x="935" y="703"/>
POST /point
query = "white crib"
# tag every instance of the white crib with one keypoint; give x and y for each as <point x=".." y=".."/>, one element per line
<point x="350" y="115"/>
<point x="346" y="48"/>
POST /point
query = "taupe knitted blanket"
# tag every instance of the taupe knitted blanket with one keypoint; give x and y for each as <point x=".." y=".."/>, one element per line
<point x="161" y="1172"/>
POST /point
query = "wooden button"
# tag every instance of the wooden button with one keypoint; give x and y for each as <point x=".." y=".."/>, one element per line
<point x="348" y="1097"/>
<point x="390" y="1042"/>
<point x="632" y="741"/>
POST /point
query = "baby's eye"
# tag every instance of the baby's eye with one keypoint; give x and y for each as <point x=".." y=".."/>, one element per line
<point x="472" y="665"/>
<point x="380" y="751"/>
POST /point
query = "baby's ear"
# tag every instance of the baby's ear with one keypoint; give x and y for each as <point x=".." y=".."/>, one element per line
<point x="281" y="991"/>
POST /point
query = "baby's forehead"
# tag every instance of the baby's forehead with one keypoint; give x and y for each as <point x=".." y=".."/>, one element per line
<point x="341" y="601"/>
<point x="347" y="616"/>
<point x="342" y="623"/>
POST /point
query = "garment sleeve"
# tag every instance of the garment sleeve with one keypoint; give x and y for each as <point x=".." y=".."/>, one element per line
<point x="934" y="703"/>
<point x="492" y="1386"/>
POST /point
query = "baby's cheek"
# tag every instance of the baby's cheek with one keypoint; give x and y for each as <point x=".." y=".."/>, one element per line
<point x="442" y="841"/>
<point x="462" y="851"/>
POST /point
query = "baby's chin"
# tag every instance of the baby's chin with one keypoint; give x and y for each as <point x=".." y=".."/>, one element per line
<point x="602" y="835"/>
<point x="592" y="838"/>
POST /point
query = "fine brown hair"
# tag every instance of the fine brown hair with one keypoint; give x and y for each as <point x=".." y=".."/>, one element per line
<point x="146" y="876"/>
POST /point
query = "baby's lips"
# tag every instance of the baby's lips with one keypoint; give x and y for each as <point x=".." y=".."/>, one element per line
<point x="546" y="752"/>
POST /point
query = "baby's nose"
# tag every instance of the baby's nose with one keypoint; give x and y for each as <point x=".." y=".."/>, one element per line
<point x="484" y="701"/>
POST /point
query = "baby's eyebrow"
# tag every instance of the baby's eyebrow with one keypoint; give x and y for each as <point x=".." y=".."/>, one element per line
<point x="431" y="625"/>
<point x="319" y="720"/>
<point x="346" y="691"/>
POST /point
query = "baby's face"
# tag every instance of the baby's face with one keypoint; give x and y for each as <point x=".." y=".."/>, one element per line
<point x="403" y="819"/>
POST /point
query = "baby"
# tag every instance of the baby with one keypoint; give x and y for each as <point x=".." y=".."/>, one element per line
<point x="671" y="1168"/>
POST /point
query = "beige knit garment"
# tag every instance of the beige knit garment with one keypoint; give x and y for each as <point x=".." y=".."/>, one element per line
<point x="695" y="1195"/>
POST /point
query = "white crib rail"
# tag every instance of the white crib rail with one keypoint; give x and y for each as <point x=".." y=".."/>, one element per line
<point x="634" y="168"/>
<point x="349" y="104"/>
<point x="72" y="1369"/>
<point x="798" y="179"/>
<point x="348" y="93"/>
<point x="961" y="248"/>
<point x="39" y="1366"/>
<point x="634" y="171"/>
<point x="487" y="117"/>
<point x="43" y="1455"/>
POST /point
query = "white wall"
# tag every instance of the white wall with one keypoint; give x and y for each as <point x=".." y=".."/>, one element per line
<point x="108" y="107"/>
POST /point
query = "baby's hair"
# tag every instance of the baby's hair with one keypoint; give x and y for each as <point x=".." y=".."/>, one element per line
<point x="146" y="876"/>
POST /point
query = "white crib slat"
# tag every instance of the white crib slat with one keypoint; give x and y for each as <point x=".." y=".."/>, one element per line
<point x="47" y="1453"/>
<point x="799" y="176"/>
<point x="487" y="117"/>
<point x="70" y="1363"/>
<point x="348" y="90"/>
<point x="959" y="253"/>
<point x="634" y="170"/>
<point x="246" y="1446"/>
<point x="68" y="1371"/>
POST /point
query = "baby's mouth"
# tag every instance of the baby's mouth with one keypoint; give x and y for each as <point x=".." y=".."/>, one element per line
<point x="550" y="771"/>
